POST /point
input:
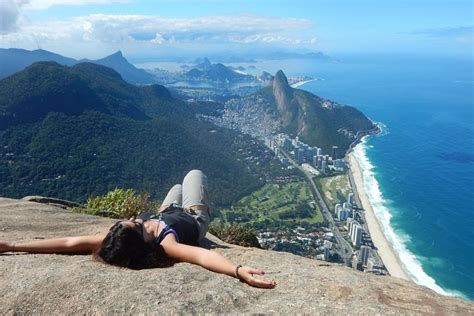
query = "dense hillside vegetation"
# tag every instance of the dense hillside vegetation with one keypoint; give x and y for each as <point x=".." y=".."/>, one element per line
<point x="81" y="131"/>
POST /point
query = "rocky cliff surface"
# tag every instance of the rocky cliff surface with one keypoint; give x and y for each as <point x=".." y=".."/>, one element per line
<point x="60" y="284"/>
<point x="283" y="94"/>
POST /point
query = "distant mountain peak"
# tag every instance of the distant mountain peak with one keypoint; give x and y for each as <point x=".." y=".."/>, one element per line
<point x="115" y="56"/>
<point x="204" y="64"/>
<point x="206" y="61"/>
<point x="128" y="71"/>
<point x="215" y="72"/>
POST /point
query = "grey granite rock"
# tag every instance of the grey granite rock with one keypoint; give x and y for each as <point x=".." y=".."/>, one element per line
<point x="63" y="284"/>
<point x="52" y="201"/>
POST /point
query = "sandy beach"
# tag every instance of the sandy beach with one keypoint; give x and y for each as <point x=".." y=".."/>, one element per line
<point x="384" y="247"/>
<point x="300" y="83"/>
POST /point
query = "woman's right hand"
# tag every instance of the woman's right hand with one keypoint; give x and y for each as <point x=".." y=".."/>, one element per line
<point x="5" y="246"/>
<point x="246" y="274"/>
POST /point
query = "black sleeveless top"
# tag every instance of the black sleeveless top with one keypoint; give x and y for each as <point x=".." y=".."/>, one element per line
<point x="177" y="221"/>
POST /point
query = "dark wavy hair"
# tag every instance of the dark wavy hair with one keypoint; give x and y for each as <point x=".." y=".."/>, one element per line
<point x="124" y="247"/>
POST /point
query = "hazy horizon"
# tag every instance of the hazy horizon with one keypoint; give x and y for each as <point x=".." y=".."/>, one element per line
<point x="144" y="28"/>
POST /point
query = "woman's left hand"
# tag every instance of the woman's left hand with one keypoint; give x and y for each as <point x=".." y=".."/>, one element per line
<point x="246" y="274"/>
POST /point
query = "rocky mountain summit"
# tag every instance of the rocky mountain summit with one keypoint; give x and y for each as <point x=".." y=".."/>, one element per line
<point x="60" y="284"/>
<point x="283" y="94"/>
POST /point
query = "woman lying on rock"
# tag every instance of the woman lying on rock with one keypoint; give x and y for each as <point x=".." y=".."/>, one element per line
<point x="154" y="240"/>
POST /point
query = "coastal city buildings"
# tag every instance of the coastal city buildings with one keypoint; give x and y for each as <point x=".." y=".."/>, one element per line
<point x="306" y="241"/>
<point x="347" y="215"/>
<point x="304" y="154"/>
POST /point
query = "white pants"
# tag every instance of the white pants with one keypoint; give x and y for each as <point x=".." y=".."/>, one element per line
<point x="192" y="196"/>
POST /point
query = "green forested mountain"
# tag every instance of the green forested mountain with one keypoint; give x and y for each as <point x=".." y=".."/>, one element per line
<point x="13" y="60"/>
<point x="72" y="132"/>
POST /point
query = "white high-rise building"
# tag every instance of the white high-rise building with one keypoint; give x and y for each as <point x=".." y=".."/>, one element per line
<point x="319" y="152"/>
<point x="349" y="225"/>
<point x="323" y="166"/>
<point x="350" y="198"/>
<point x="320" y="162"/>
<point x="354" y="224"/>
<point x="342" y="214"/>
<point x="353" y="229"/>
<point x="356" y="236"/>
<point x="364" y="255"/>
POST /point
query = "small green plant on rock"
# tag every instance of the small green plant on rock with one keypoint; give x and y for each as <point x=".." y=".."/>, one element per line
<point x="234" y="234"/>
<point x="119" y="203"/>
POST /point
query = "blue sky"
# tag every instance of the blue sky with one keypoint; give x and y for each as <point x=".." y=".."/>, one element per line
<point x="94" y="28"/>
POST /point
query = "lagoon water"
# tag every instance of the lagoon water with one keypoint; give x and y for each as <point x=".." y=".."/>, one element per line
<point x="420" y="171"/>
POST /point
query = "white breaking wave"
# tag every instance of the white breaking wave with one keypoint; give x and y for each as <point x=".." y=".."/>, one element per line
<point x="381" y="209"/>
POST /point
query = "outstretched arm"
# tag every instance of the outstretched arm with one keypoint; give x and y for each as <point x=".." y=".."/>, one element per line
<point x="213" y="261"/>
<point x="78" y="244"/>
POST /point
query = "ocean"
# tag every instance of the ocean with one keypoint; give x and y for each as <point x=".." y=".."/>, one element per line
<point x="419" y="173"/>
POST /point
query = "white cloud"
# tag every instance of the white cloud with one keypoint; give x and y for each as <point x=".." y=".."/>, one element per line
<point x="45" y="4"/>
<point x="152" y="31"/>
<point x="10" y="11"/>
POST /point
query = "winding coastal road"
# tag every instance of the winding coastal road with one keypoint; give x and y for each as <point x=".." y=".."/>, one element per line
<point x="345" y="248"/>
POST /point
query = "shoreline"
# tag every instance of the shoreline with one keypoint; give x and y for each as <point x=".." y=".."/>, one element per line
<point x="388" y="255"/>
